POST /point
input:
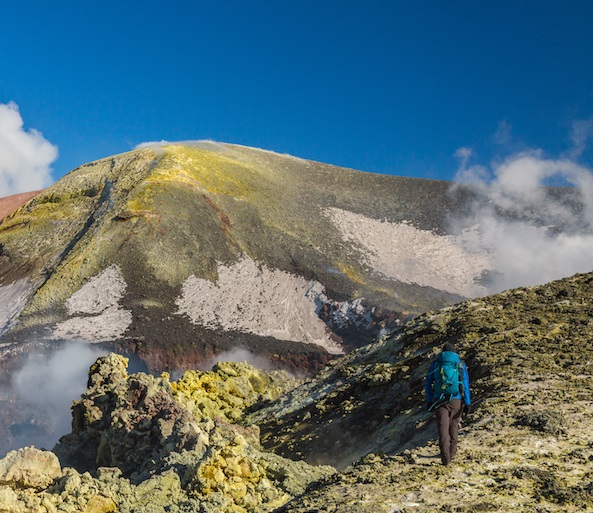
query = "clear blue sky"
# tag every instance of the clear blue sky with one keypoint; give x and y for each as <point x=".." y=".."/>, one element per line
<point x="384" y="86"/>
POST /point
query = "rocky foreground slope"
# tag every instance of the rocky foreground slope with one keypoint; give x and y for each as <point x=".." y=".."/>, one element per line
<point x="527" y="447"/>
<point x="141" y="443"/>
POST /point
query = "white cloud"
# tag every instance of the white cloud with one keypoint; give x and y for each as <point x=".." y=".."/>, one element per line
<point x="154" y="145"/>
<point x="25" y="156"/>
<point x="474" y="175"/>
<point x="531" y="235"/>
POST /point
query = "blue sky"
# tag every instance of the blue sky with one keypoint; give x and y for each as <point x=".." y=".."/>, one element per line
<point x="383" y="86"/>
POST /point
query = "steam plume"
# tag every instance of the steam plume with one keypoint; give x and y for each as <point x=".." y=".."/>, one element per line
<point x="533" y="233"/>
<point x="582" y="131"/>
<point x="240" y="355"/>
<point x="46" y="387"/>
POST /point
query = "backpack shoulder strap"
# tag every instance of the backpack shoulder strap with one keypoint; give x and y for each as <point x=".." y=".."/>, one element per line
<point x="434" y="365"/>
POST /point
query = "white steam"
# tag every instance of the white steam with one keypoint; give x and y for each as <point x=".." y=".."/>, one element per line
<point x="206" y="144"/>
<point x="46" y="386"/>
<point x="241" y="355"/>
<point x="582" y="131"/>
<point x="533" y="234"/>
<point x="25" y="156"/>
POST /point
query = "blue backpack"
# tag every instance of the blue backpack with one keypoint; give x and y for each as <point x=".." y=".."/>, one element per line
<point x="448" y="378"/>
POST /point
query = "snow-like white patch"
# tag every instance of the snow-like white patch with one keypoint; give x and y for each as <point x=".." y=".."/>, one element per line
<point x="110" y="324"/>
<point x="13" y="298"/>
<point x="101" y="292"/>
<point x="407" y="254"/>
<point x="252" y="298"/>
<point x="103" y="318"/>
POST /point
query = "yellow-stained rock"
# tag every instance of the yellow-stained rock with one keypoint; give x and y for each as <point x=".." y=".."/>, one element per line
<point x="99" y="504"/>
<point x="219" y="476"/>
<point x="29" y="468"/>
<point x="228" y="389"/>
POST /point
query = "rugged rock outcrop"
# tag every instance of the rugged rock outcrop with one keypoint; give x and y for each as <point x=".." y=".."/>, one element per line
<point x="29" y="468"/>
<point x="144" y="443"/>
<point x="156" y="445"/>
<point x="129" y="422"/>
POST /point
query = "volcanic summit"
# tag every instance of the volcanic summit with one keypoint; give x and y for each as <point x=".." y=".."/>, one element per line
<point x="180" y="252"/>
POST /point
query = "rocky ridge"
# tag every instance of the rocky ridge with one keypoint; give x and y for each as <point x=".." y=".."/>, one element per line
<point x="527" y="446"/>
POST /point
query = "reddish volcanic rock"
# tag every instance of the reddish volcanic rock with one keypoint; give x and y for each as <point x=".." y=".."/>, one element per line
<point x="10" y="203"/>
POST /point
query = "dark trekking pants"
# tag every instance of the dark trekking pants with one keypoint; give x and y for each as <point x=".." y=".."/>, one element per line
<point x="448" y="417"/>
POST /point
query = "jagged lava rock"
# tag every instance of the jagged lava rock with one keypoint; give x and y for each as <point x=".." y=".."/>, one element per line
<point x="158" y="445"/>
<point x="228" y="389"/>
<point x="119" y="413"/>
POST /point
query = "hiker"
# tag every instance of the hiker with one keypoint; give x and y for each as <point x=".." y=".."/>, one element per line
<point x="447" y="387"/>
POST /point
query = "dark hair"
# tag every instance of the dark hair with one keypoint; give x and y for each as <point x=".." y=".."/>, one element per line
<point x="449" y="346"/>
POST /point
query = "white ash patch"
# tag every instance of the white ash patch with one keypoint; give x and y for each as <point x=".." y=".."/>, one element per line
<point x="98" y="301"/>
<point x="13" y="298"/>
<point x="99" y="293"/>
<point x="252" y="298"/>
<point x="410" y="255"/>
<point x="110" y="324"/>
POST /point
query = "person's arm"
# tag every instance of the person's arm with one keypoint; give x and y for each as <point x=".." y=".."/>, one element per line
<point x="429" y="384"/>
<point x="466" y="393"/>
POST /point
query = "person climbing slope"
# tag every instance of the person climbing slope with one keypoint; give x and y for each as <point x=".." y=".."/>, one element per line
<point x="447" y="387"/>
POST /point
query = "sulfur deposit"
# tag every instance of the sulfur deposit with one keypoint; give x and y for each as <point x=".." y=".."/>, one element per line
<point x="145" y="444"/>
<point x="229" y="389"/>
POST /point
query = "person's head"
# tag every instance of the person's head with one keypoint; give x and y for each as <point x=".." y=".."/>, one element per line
<point x="449" y="346"/>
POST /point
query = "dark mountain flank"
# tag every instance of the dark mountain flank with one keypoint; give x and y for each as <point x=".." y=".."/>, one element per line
<point x="181" y="252"/>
